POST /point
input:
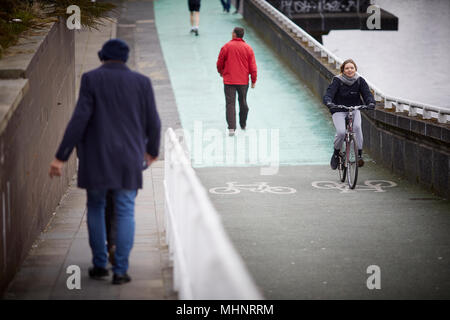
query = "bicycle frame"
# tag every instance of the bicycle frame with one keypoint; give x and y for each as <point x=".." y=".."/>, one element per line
<point x="349" y="140"/>
<point x="349" y="126"/>
<point x="348" y="134"/>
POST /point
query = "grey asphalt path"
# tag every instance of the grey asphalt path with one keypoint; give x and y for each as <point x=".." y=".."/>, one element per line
<point x="318" y="243"/>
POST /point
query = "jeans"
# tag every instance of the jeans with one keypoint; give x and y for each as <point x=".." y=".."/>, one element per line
<point x="230" y="99"/>
<point x="339" y="124"/>
<point x="124" y="207"/>
<point x="110" y="220"/>
<point x="226" y="4"/>
<point x="238" y="3"/>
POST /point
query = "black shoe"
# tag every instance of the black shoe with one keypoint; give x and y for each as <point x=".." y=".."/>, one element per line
<point x="243" y="127"/>
<point x="334" y="161"/>
<point x="118" y="279"/>
<point x="360" y="161"/>
<point x="196" y="32"/>
<point x="98" y="273"/>
<point x="235" y="12"/>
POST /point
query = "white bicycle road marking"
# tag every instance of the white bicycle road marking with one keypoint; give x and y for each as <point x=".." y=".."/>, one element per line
<point x="261" y="187"/>
<point x="369" y="185"/>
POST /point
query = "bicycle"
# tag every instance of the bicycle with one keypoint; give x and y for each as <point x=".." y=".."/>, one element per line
<point x="348" y="156"/>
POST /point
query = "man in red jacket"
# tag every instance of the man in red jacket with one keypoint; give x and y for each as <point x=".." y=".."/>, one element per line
<point x="235" y="63"/>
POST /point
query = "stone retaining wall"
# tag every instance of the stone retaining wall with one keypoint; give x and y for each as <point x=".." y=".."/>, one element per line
<point x="36" y="102"/>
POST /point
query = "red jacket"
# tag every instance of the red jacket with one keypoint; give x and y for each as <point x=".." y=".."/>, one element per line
<point x="236" y="61"/>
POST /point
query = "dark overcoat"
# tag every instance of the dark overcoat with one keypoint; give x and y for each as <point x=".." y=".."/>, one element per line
<point x="114" y="123"/>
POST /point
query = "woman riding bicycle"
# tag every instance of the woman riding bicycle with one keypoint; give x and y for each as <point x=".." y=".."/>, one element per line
<point x="346" y="89"/>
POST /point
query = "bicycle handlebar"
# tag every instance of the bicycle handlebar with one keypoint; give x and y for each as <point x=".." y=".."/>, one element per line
<point x="352" y="107"/>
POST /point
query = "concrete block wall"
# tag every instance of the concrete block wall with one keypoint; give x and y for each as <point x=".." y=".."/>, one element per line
<point x="412" y="147"/>
<point x="28" y="143"/>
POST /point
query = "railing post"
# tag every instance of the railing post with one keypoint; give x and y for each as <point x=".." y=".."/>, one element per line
<point x="387" y="104"/>
<point x="377" y="96"/>
<point x="442" y="117"/>
<point x="426" y="114"/>
<point x="412" y="111"/>
<point x="399" y="107"/>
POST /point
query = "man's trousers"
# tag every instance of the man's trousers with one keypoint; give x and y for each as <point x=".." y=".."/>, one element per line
<point x="125" y="226"/>
<point x="230" y="99"/>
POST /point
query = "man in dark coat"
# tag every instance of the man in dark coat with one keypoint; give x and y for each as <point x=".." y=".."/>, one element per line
<point x="115" y="126"/>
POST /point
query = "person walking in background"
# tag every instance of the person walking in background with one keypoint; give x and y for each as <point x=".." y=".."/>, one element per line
<point x="115" y="125"/>
<point x="194" y="9"/>
<point x="238" y="3"/>
<point x="226" y="4"/>
<point x="235" y="63"/>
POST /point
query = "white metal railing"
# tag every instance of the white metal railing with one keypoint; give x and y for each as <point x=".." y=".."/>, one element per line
<point x="414" y="108"/>
<point x="205" y="264"/>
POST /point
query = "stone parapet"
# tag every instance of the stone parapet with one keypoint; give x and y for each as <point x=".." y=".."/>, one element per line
<point x="12" y="92"/>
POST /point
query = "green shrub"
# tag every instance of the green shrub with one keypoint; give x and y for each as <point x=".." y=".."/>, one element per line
<point x="18" y="16"/>
<point x="9" y="29"/>
<point x="91" y="12"/>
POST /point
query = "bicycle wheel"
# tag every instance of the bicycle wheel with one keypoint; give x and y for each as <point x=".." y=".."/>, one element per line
<point x="352" y="162"/>
<point x="342" y="169"/>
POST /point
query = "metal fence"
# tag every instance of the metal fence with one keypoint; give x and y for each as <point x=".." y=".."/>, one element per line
<point x="401" y="105"/>
<point x="205" y="264"/>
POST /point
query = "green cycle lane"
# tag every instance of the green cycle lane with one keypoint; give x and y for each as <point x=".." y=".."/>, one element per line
<point x="312" y="238"/>
<point x="279" y="105"/>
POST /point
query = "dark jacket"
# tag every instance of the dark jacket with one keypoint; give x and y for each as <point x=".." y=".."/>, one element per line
<point x="340" y="93"/>
<point x="114" y="123"/>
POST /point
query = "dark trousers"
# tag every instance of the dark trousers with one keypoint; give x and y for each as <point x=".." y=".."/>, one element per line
<point x="230" y="99"/>
<point x="110" y="219"/>
<point x="226" y="4"/>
